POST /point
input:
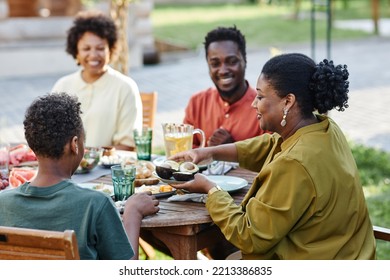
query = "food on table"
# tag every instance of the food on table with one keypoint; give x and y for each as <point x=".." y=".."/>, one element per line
<point x="20" y="175"/>
<point x="166" y="188"/>
<point x="144" y="169"/>
<point x="103" y="188"/>
<point x="108" y="151"/>
<point x="187" y="170"/>
<point x="110" y="156"/>
<point x="183" y="176"/>
<point x="21" y="153"/>
<point x="3" y="181"/>
<point x="90" y="160"/>
<point x="146" y="181"/>
<point x="188" y="166"/>
<point x="166" y="169"/>
<point x="184" y="171"/>
<point x="111" y="160"/>
<point x="144" y="174"/>
<point x="154" y="189"/>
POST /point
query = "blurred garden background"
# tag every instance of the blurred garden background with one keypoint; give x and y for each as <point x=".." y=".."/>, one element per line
<point x="265" y="23"/>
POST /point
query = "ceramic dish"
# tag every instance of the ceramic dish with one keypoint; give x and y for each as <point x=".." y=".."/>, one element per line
<point x="89" y="161"/>
<point x="229" y="183"/>
<point x="164" y="194"/>
<point x="107" y="162"/>
<point x="108" y="166"/>
<point x="155" y="189"/>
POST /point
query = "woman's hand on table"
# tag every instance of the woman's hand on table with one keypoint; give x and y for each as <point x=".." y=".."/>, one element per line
<point x="142" y="203"/>
<point x="200" y="184"/>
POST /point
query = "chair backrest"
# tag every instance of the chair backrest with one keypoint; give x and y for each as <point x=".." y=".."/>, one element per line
<point x="149" y="103"/>
<point x="33" y="244"/>
<point x="382" y="233"/>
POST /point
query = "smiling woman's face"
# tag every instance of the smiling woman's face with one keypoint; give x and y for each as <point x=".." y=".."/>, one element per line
<point x="269" y="106"/>
<point x="93" y="54"/>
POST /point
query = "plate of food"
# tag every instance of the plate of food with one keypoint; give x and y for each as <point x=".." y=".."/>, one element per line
<point x="20" y="175"/>
<point x="161" y="159"/>
<point x="172" y="172"/>
<point x="108" y="161"/>
<point x="111" y="156"/>
<point x="230" y="184"/>
<point x="157" y="190"/>
<point x="89" y="161"/>
<point x="108" y="189"/>
<point x="144" y="173"/>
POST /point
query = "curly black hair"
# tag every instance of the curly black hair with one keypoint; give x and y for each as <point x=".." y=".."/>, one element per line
<point x="94" y="22"/>
<point x="320" y="87"/>
<point x="226" y="34"/>
<point x="50" y="122"/>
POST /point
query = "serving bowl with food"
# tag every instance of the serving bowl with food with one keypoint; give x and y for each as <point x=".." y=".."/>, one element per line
<point x="90" y="160"/>
<point x="171" y="171"/>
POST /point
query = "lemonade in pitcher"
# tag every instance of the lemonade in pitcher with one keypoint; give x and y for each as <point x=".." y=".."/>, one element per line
<point x="175" y="143"/>
<point x="178" y="137"/>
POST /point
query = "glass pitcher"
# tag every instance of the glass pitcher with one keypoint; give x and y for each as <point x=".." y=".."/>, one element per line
<point x="179" y="137"/>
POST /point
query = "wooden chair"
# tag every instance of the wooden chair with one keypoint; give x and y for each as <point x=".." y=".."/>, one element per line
<point x="382" y="233"/>
<point x="33" y="244"/>
<point x="149" y="103"/>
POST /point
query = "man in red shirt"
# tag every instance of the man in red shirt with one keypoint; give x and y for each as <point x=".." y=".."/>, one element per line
<point x="224" y="112"/>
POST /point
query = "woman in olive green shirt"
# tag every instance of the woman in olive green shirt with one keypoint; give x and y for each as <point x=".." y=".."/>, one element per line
<point x="306" y="201"/>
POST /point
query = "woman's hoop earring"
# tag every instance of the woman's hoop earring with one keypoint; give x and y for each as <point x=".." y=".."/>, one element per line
<point x="284" y="122"/>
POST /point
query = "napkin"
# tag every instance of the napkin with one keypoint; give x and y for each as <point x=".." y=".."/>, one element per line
<point x="195" y="197"/>
<point x="219" y="167"/>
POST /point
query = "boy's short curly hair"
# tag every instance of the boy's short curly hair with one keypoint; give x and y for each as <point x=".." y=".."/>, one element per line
<point x="50" y="122"/>
<point x="95" y="22"/>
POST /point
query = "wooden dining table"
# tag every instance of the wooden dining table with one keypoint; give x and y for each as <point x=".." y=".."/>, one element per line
<point x="185" y="227"/>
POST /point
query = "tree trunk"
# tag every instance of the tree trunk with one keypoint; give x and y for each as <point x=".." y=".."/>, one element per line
<point x="119" y="13"/>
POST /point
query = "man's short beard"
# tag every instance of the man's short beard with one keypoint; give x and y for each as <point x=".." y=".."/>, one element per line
<point x="229" y="93"/>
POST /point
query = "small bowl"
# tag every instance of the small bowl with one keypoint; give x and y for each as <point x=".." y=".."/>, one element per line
<point x="90" y="160"/>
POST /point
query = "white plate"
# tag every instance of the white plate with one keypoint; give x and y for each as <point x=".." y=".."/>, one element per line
<point x="229" y="183"/>
<point x="159" y="160"/>
<point x="108" y="189"/>
<point x="121" y="156"/>
<point x="126" y="154"/>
